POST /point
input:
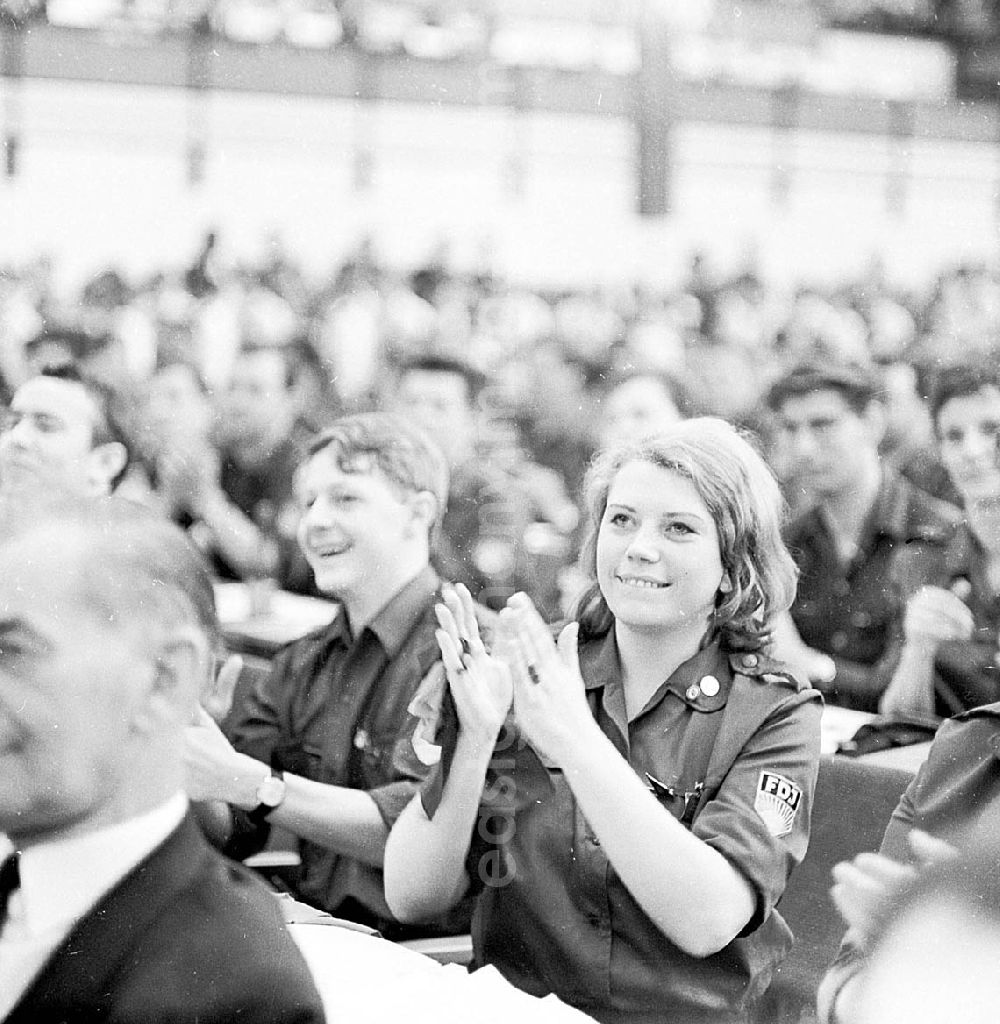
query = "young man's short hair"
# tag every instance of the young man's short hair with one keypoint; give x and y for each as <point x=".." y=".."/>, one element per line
<point x="960" y="381"/>
<point x="108" y="427"/>
<point x="856" y="384"/>
<point x="405" y="455"/>
<point x="475" y="381"/>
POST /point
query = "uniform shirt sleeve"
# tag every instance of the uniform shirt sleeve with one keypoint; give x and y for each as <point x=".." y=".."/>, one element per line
<point x="392" y="797"/>
<point x="751" y="820"/>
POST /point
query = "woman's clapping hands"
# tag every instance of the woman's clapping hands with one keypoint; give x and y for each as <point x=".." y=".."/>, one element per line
<point x="526" y="669"/>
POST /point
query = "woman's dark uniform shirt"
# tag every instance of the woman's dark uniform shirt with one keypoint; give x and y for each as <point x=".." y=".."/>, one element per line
<point x="729" y="745"/>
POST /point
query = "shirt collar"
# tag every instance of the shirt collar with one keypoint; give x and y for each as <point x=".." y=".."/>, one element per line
<point x="394" y="623"/>
<point x="63" y="879"/>
<point x="890" y="508"/>
<point x="600" y="667"/>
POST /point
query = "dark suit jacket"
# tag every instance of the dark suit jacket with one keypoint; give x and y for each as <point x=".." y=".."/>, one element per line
<point x="186" y="936"/>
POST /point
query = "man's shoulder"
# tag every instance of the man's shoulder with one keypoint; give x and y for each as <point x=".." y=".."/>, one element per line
<point x="966" y="738"/>
<point x="926" y="517"/>
<point x="186" y="935"/>
<point x="804" y="524"/>
<point x="224" y="936"/>
<point x="984" y="716"/>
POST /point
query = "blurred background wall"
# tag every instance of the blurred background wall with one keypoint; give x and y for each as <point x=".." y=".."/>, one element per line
<point x="563" y="144"/>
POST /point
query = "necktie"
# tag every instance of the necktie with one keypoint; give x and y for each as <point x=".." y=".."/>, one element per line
<point x="10" y="879"/>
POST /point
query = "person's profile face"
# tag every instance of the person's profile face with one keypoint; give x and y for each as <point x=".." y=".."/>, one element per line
<point x="66" y="692"/>
<point x="968" y="428"/>
<point x="820" y="440"/>
<point x="659" y="562"/>
<point x="355" y="527"/>
<point x="48" y="435"/>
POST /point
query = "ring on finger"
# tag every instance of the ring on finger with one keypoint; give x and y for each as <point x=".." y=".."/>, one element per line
<point x="533" y="674"/>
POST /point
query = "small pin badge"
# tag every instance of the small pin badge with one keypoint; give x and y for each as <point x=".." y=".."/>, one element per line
<point x="693" y="692"/>
<point x="709" y="686"/>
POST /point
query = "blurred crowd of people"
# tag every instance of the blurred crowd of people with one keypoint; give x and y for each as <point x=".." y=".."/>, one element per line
<point x="549" y="356"/>
<point x="222" y="374"/>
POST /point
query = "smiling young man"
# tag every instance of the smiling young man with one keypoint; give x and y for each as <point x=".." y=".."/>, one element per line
<point x="323" y="747"/>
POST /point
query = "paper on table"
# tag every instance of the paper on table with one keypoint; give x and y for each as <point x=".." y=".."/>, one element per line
<point x="366" y="979"/>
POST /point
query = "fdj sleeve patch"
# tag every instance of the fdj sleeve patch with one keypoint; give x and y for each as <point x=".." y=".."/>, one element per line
<point x="777" y="802"/>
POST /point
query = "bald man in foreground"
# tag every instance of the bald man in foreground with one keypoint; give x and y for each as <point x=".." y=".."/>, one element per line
<point x="113" y="907"/>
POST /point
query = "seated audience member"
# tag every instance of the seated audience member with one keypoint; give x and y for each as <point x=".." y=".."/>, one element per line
<point x="908" y="443"/>
<point x="948" y="661"/>
<point x="494" y="505"/>
<point x="175" y="440"/>
<point x="113" y="907"/>
<point x="861" y="515"/>
<point x="61" y="436"/>
<point x="228" y="480"/>
<point x="323" y="747"/>
<point x="954" y="798"/>
<point x="638" y="404"/>
<point x="934" y="958"/>
<point x="628" y="802"/>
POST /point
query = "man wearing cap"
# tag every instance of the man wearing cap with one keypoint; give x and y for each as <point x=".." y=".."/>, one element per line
<point x="857" y="516"/>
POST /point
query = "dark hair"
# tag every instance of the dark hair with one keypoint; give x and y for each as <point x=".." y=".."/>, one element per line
<point x="79" y="344"/>
<point x="958" y="381"/>
<point x="405" y="455"/>
<point x="745" y="501"/>
<point x="107" y="427"/>
<point x="856" y="384"/>
<point x="475" y="380"/>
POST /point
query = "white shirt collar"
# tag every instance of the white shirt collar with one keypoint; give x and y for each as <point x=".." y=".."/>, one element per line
<point x="62" y="880"/>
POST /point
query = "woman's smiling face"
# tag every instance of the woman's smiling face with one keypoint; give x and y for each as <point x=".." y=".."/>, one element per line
<point x="659" y="565"/>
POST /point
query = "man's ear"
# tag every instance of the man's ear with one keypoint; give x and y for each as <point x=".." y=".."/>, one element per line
<point x="424" y="510"/>
<point x="106" y="462"/>
<point x="181" y="673"/>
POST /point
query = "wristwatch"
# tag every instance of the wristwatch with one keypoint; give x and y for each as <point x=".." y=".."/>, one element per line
<point x="270" y="794"/>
